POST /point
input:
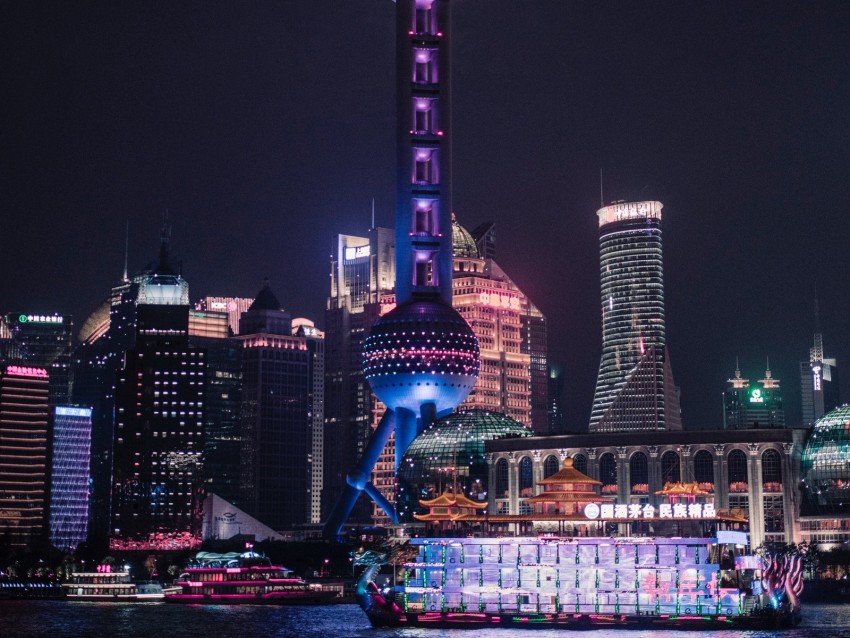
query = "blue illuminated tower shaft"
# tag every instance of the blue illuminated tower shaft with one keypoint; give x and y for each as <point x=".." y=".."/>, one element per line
<point x="421" y="359"/>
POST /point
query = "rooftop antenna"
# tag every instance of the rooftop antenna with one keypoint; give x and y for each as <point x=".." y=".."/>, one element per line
<point x="124" y="277"/>
<point x="373" y="214"/>
<point x="601" y="193"/>
<point x="164" y="237"/>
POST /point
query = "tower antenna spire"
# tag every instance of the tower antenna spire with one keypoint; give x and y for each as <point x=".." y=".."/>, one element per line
<point x="125" y="277"/>
<point x="373" y="213"/>
<point x="601" y="192"/>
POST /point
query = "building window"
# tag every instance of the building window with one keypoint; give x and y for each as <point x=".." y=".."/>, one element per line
<point x="671" y="469"/>
<point x="774" y="516"/>
<point x="526" y="477"/>
<point x="771" y="471"/>
<point x="550" y="466"/>
<point x="425" y="66"/>
<point x="502" y="479"/>
<point x="608" y="473"/>
<point x="425" y="166"/>
<point x="704" y="470"/>
<point x="424" y="116"/>
<point x="738" y="478"/>
<point x="580" y="463"/>
<point x="639" y="473"/>
<point x="423" y="19"/>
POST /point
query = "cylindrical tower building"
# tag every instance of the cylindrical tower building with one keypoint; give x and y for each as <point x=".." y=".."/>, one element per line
<point x="634" y="389"/>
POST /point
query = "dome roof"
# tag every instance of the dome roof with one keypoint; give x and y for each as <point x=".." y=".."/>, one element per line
<point x="826" y="464"/>
<point x="97" y="323"/>
<point x="456" y="441"/>
<point x="463" y="245"/>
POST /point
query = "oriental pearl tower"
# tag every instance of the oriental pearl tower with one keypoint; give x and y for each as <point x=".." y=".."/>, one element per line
<point x="421" y="359"/>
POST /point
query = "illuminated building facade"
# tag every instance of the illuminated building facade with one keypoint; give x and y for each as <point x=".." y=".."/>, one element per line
<point x="157" y="482"/>
<point x="69" y="484"/>
<point x="511" y="334"/>
<point x="208" y="324"/>
<point x="281" y="374"/>
<point x="634" y="388"/>
<point x="24" y="454"/>
<point x="44" y="341"/>
<point x="752" y="473"/>
<point x="747" y="406"/>
<point x="233" y="306"/>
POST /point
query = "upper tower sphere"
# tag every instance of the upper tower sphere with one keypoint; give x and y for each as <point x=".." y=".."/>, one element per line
<point x="421" y="352"/>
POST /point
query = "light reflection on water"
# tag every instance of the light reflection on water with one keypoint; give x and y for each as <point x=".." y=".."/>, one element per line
<point x="61" y="619"/>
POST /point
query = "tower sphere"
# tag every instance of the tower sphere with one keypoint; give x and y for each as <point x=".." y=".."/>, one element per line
<point x="824" y="467"/>
<point x="421" y="352"/>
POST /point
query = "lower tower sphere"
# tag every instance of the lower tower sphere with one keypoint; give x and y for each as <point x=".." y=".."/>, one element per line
<point x="421" y="352"/>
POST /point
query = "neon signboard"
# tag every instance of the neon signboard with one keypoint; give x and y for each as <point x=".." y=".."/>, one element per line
<point x="816" y="378"/>
<point x="62" y="411"/>
<point x="756" y="397"/>
<point x="40" y="319"/>
<point x="356" y="252"/>
<point x="629" y="210"/>
<point x="24" y="371"/>
<point x="496" y="300"/>
<point x="607" y="511"/>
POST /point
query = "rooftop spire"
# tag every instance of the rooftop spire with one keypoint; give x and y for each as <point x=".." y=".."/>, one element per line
<point x="125" y="278"/>
<point x="164" y="238"/>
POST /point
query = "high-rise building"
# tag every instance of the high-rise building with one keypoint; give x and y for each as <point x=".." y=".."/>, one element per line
<point x="557" y="416"/>
<point x="24" y="454"/>
<point x="69" y="485"/>
<point x="362" y="287"/>
<point x="281" y="374"/>
<point x="634" y="388"/>
<point x="747" y="406"/>
<point x="44" y="341"/>
<point x="209" y="332"/>
<point x="233" y="306"/>
<point x="511" y="334"/>
<point x="157" y="482"/>
<point x="819" y="389"/>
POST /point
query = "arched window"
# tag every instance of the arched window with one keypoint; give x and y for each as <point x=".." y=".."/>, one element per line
<point x="738" y="479"/>
<point x="580" y="463"/>
<point x="671" y="469"/>
<point x="639" y="473"/>
<point x="771" y="471"/>
<point x="550" y="465"/>
<point x="608" y="473"/>
<point x="501" y="478"/>
<point x="704" y="470"/>
<point x="526" y="477"/>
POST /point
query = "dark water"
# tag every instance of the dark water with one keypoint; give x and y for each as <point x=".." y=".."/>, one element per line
<point x="61" y="619"/>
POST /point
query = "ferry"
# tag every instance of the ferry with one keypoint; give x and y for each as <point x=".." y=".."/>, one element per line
<point x="250" y="578"/>
<point x="678" y="565"/>
<point x="112" y="586"/>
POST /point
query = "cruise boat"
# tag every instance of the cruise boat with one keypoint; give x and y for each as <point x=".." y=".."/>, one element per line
<point x="678" y="565"/>
<point x="247" y="578"/>
<point x="112" y="586"/>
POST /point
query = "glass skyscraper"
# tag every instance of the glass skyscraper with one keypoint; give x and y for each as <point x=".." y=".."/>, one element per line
<point x="634" y="389"/>
<point x="69" y="490"/>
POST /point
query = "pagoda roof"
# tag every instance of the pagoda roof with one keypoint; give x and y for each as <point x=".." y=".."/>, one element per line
<point x="448" y="499"/>
<point x="682" y="489"/>
<point x="568" y="474"/>
<point x="569" y="497"/>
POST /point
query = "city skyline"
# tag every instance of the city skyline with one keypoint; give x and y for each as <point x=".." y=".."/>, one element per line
<point x="266" y="133"/>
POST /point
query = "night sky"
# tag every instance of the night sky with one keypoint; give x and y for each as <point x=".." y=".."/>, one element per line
<point x="266" y="128"/>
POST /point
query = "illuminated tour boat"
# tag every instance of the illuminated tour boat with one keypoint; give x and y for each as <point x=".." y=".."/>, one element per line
<point x="106" y="585"/>
<point x="247" y="578"/>
<point x="678" y="565"/>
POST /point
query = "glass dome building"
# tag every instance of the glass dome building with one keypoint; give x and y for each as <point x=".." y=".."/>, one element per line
<point x="825" y="465"/>
<point x="450" y="455"/>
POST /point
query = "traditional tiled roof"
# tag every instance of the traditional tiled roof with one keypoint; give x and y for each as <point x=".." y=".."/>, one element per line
<point x="568" y="497"/>
<point x="682" y="489"/>
<point x="568" y="475"/>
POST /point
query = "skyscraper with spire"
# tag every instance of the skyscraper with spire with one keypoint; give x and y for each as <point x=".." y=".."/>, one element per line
<point x="634" y="388"/>
<point x="158" y="438"/>
<point x="819" y="391"/>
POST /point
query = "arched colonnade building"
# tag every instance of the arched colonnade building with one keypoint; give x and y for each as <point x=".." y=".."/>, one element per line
<point x="757" y="471"/>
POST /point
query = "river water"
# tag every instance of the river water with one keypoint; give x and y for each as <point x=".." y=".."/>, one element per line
<point x="63" y="619"/>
